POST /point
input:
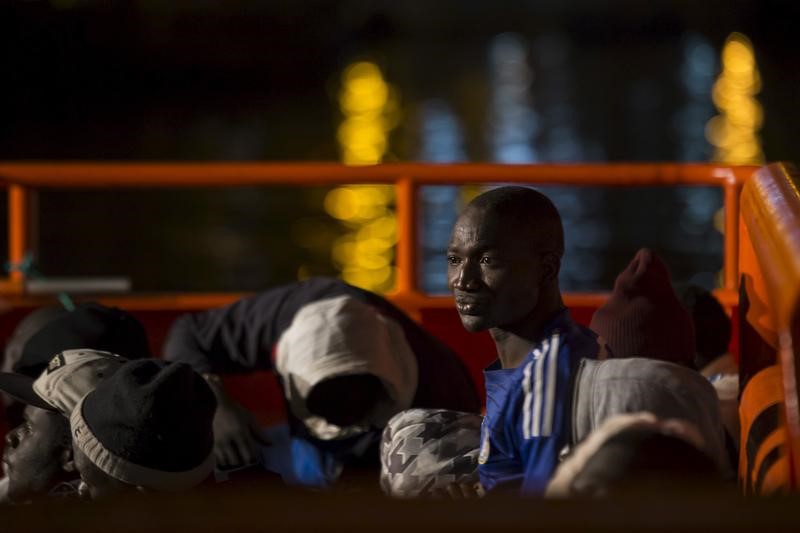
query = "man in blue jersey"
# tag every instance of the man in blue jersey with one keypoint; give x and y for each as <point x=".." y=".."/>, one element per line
<point x="503" y="263"/>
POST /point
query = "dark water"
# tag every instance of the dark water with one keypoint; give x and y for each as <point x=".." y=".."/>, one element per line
<point x="508" y="82"/>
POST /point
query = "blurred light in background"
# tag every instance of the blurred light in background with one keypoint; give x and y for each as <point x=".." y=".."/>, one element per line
<point x="585" y="228"/>
<point x="369" y="106"/>
<point x="513" y="123"/>
<point x="555" y="87"/>
<point x="441" y="141"/>
<point x="365" y="254"/>
<point x="695" y="233"/>
<point x="734" y="132"/>
<point x="441" y="136"/>
<point x="513" y="138"/>
<point x="696" y="75"/>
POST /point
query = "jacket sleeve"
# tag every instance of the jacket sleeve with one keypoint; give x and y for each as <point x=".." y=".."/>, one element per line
<point x="233" y="339"/>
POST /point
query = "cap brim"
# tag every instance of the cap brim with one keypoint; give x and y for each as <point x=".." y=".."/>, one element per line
<point x="20" y="387"/>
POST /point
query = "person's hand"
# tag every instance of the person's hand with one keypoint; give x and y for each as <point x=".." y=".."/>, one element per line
<point x="237" y="435"/>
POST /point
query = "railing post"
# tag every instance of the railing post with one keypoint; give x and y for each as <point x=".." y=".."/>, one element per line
<point x="731" y="261"/>
<point x="405" y="192"/>
<point x="18" y="198"/>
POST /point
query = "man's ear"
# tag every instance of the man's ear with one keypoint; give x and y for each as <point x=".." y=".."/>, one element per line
<point x="551" y="264"/>
<point x="67" y="460"/>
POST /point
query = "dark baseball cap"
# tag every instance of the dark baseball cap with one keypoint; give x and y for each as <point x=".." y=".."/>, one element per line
<point x="90" y="325"/>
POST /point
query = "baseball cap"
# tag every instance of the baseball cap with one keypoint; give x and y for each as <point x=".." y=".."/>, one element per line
<point x="68" y="377"/>
<point x="90" y="325"/>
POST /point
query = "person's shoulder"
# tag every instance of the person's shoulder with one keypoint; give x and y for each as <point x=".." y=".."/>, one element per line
<point x="580" y="341"/>
<point x="317" y="284"/>
<point x="662" y="373"/>
<point x="305" y="291"/>
<point x="635" y="366"/>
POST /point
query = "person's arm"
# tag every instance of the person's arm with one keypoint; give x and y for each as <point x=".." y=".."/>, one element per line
<point x="543" y="422"/>
<point x="540" y="462"/>
<point x="237" y="435"/>
<point x="233" y="339"/>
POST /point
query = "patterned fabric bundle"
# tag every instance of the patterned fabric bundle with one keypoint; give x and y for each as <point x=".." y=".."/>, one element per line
<point x="426" y="450"/>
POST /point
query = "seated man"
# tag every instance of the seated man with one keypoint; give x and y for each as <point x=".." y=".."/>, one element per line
<point x="37" y="460"/>
<point x="547" y="392"/>
<point x="147" y="428"/>
<point x="504" y="258"/>
<point x="89" y="326"/>
<point x="347" y="360"/>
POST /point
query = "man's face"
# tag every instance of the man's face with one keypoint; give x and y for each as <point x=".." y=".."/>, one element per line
<point x="95" y="483"/>
<point x="493" y="272"/>
<point x="35" y="454"/>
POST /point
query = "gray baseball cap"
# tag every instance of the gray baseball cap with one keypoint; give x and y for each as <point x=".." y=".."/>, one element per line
<point x="69" y="376"/>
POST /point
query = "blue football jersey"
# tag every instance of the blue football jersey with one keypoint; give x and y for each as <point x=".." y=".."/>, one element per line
<point x="528" y="409"/>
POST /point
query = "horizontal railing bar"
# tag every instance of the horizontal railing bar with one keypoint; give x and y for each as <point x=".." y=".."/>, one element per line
<point x="191" y="301"/>
<point x="198" y="174"/>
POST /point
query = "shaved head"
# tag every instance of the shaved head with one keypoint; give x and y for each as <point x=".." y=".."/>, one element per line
<point x="503" y="261"/>
<point x="526" y="211"/>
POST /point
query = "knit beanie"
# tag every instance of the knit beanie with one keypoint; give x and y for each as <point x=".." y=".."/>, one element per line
<point x="643" y="317"/>
<point x="149" y="425"/>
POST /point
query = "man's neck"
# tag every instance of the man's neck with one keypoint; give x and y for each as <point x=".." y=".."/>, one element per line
<point x="511" y="348"/>
<point x="513" y="344"/>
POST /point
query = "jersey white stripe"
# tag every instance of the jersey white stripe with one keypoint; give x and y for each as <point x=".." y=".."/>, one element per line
<point x="537" y="392"/>
<point x="526" y="406"/>
<point x="550" y="401"/>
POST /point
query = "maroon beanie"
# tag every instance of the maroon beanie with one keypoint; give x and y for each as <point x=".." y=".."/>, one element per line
<point x="643" y="317"/>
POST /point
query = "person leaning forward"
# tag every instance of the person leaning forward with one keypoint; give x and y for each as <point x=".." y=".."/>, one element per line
<point x="347" y="360"/>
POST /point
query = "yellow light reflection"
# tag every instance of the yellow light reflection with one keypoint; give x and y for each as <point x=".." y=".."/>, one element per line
<point x="369" y="107"/>
<point x="734" y="132"/>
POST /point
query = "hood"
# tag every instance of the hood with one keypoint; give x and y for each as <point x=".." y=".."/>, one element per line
<point x="338" y="337"/>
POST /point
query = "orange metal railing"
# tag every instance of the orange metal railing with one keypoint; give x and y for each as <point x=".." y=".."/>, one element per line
<point x="22" y="178"/>
<point x="768" y="225"/>
<point x="770" y="262"/>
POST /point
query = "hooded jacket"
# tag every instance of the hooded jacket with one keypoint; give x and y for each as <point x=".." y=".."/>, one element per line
<point x="341" y="336"/>
<point x="255" y="333"/>
<point x="607" y="388"/>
